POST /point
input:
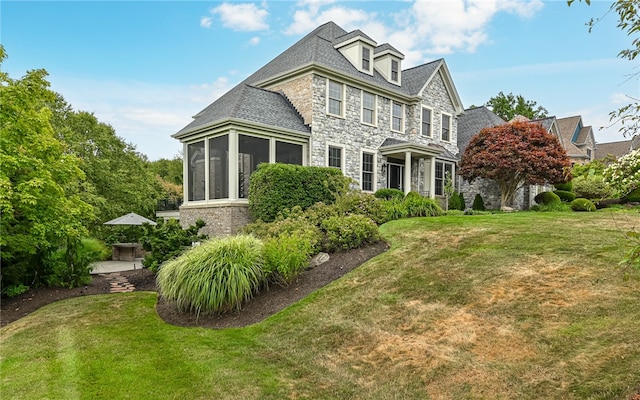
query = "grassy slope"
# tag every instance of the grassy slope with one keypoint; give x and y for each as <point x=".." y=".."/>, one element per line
<point x="526" y="305"/>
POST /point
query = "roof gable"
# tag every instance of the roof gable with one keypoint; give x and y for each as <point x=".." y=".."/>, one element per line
<point x="473" y="121"/>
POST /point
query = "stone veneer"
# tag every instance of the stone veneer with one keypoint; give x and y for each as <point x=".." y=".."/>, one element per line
<point x="299" y="93"/>
<point x="348" y="131"/>
<point x="221" y="220"/>
<point x="523" y="199"/>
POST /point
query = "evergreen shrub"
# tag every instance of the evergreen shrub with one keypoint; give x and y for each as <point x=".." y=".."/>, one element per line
<point x="566" y="186"/>
<point x="591" y="187"/>
<point x="70" y="265"/>
<point x="214" y="277"/>
<point x="167" y="240"/>
<point x="478" y="203"/>
<point x="565" y="196"/>
<point x="420" y="206"/>
<point x="389" y="194"/>
<point x="463" y="203"/>
<point x="582" y="204"/>
<point x="276" y="187"/>
<point x="547" y="198"/>
<point x="633" y="196"/>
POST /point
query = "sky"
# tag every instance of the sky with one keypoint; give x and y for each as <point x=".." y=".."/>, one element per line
<point x="146" y="67"/>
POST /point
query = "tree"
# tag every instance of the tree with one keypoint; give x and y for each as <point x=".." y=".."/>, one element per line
<point x="624" y="174"/>
<point x="629" y="21"/>
<point x="509" y="106"/>
<point x="119" y="180"/>
<point x="169" y="170"/>
<point x="39" y="180"/>
<point x="513" y="155"/>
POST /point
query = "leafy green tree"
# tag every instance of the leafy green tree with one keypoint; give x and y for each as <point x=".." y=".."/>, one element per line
<point x="513" y="155"/>
<point x="624" y="174"/>
<point x="509" y="106"/>
<point x="119" y="180"/>
<point x="628" y="21"/>
<point x="40" y="180"/>
<point x="169" y="170"/>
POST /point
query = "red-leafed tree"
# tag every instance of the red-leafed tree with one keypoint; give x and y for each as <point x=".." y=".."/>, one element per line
<point x="513" y="155"/>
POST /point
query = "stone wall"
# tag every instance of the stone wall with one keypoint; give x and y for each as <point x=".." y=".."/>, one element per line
<point x="300" y="93"/>
<point x="221" y="220"/>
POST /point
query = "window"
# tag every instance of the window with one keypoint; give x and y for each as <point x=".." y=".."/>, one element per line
<point x="446" y="127"/>
<point x="288" y="153"/>
<point x="396" y="117"/>
<point x="251" y="152"/>
<point x="368" y="108"/>
<point x="366" y="59"/>
<point x="426" y="121"/>
<point x="367" y="172"/>
<point x="335" y="98"/>
<point x="196" y="171"/>
<point x="219" y="167"/>
<point x="443" y="170"/>
<point x="334" y="157"/>
<point x="394" y="70"/>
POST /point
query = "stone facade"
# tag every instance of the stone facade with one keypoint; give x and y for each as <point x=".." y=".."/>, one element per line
<point x="221" y="220"/>
<point x="523" y="199"/>
<point x="299" y="91"/>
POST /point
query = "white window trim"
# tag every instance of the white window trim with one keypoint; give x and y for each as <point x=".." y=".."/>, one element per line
<point x="371" y="61"/>
<point x="430" y="122"/>
<point x="397" y="82"/>
<point x="342" y="103"/>
<point x="374" y="175"/>
<point x="401" y="117"/>
<point x="453" y="175"/>
<point x="375" y="108"/>
<point x="450" y="127"/>
<point x="343" y="153"/>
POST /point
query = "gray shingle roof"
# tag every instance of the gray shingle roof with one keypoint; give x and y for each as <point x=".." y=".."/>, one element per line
<point x="351" y="35"/>
<point x="616" y="149"/>
<point x="386" y="46"/>
<point x="251" y="104"/>
<point x="473" y="121"/>
<point x="316" y="48"/>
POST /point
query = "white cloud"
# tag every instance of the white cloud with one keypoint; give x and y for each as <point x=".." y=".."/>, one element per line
<point x="422" y="28"/>
<point x="205" y="22"/>
<point x="242" y="17"/>
<point x="254" y="40"/>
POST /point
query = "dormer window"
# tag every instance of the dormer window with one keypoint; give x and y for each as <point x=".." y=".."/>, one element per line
<point x="395" y="66"/>
<point x="366" y="59"/>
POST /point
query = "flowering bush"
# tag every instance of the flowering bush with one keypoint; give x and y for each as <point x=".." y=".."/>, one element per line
<point x="624" y="174"/>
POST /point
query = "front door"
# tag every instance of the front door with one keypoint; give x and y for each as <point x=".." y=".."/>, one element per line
<point x="395" y="178"/>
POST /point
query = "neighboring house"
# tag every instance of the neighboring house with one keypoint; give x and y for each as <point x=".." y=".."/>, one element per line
<point x="578" y="140"/>
<point x="335" y="99"/>
<point x="616" y="149"/>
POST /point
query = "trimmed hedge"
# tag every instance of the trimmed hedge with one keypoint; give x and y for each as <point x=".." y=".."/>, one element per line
<point x="275" y="187"/>
<point x="566" y="186"/>
<point x="633" y="196"/>
<point x="583" y="205"/>
<point x="389" y="194"/>
<point x="547" y="198"/>
<point x="565" y="196"/>
<point x="478" y="203"/>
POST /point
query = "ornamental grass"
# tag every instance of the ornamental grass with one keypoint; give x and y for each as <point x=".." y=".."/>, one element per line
<point x="216" y="276"/>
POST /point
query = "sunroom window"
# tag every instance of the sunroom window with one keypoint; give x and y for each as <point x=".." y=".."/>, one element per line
<point x="196" y="171"/>
<point x="251" y="152"/>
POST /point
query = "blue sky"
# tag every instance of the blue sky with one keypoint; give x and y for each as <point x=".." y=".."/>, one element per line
<point x="146" y="67"/>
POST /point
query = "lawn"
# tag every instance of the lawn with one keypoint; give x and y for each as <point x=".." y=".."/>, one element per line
<point x="505" y="306"/>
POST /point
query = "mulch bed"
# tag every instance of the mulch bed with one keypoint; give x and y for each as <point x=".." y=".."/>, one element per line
<point x="263" y="305"/>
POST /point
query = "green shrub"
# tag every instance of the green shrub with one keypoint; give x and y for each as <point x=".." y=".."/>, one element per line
<point x="389" y="194"/>
<point x="286" y="256"/>
<point x="15" y="290"/>
<point x="566" y="186"/>
<point x="214" y="277"/>
<point x="547" y="198"/>
<point x="420" y="206"/>
<point x="356" y="202"/>
<point x="276" y="187"/>
<point x="565" y="196"/>
<point x="396" y="209"/>
<point x="478" y="203"/>
<point x="71" y="265"/>
<point x="633" y="196"/>
<point x="454" y="202"/>
<point x="463" y="203"/>
<point x="581" y="204"/>
<point x="591" y="187"/>
<point x="348" y="232"/>
<point x="167" y="240"/>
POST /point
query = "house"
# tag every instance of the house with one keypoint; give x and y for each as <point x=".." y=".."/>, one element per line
<point x="618" y="149"/>
<point x="577" y="139"/>
<point x="336" y="99"/>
